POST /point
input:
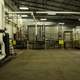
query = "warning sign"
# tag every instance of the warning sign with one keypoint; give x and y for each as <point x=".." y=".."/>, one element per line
<point x="61" y="42"/>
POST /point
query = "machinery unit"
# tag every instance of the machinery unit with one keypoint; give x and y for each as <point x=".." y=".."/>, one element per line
<point x="4" y="37"/>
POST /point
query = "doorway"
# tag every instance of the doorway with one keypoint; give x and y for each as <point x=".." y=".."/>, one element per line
<point x="68" y="39"/>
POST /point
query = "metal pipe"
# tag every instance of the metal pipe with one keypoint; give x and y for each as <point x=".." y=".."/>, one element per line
<point x="27" y="13"/>
<point x="20" y="12"/>
<point x="58" y="12"/>
<point x="35" y="24"/>
<point x="53" y="12"/>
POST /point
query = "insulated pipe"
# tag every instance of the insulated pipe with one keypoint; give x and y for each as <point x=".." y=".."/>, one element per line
<point x="57" y="12"/>
<point x="35" y="24"/>
<point x="20" y="12"/>
<point x="27" y="13"/>
<point x="49" y="12"/>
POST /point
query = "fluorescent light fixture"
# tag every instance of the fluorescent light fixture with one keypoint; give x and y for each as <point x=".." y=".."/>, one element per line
<point x="24" y="8"/>
<point x="24" y="15"/>
<point x="78" y="19"/>
<point x="43" y="19"/>
<point x="61" y="23"/>
<point x="58" y="12"/>
<point x="47" y="12"/>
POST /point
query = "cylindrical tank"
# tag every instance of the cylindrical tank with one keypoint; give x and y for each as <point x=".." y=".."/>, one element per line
<point x="2" y="22"/>
<point x="2" y="14"/>
<point x="1" y="18"/>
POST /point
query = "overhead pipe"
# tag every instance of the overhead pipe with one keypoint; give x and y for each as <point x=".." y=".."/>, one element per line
<point x="42" y="12"/>
<point x="35" y="24"/>
<point x="54" y="12"/>
<point x="57" y="12"/>
<point x="21" y="12"/>
<point x="27" y="12"/>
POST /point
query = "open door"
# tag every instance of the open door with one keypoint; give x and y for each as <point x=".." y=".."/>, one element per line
<point x="68" y="39"/>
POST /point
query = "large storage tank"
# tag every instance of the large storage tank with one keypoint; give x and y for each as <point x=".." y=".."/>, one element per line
<point x="2" y="23"/>
<point x="1" y="14"/>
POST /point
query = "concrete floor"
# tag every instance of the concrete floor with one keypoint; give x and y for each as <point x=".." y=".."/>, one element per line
<point x="43" y="65"/>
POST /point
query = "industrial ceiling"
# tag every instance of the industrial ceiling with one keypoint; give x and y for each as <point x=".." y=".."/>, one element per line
<point x="52" y="5"/>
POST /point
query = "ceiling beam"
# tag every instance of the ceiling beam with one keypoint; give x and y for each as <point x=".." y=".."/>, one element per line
<point x="51" y="4"/>
<point x="67" y="2"/>
<point x="39" y="6"/>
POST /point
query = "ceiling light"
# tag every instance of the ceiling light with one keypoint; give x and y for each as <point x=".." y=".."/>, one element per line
<point x="24" y="8"/>
<point x="61" y="23"/>
<point x="47" y="12"/>
<point x="78" y="19"/>
<point x="43" y="19"/>
<point x="24" y="15"/>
